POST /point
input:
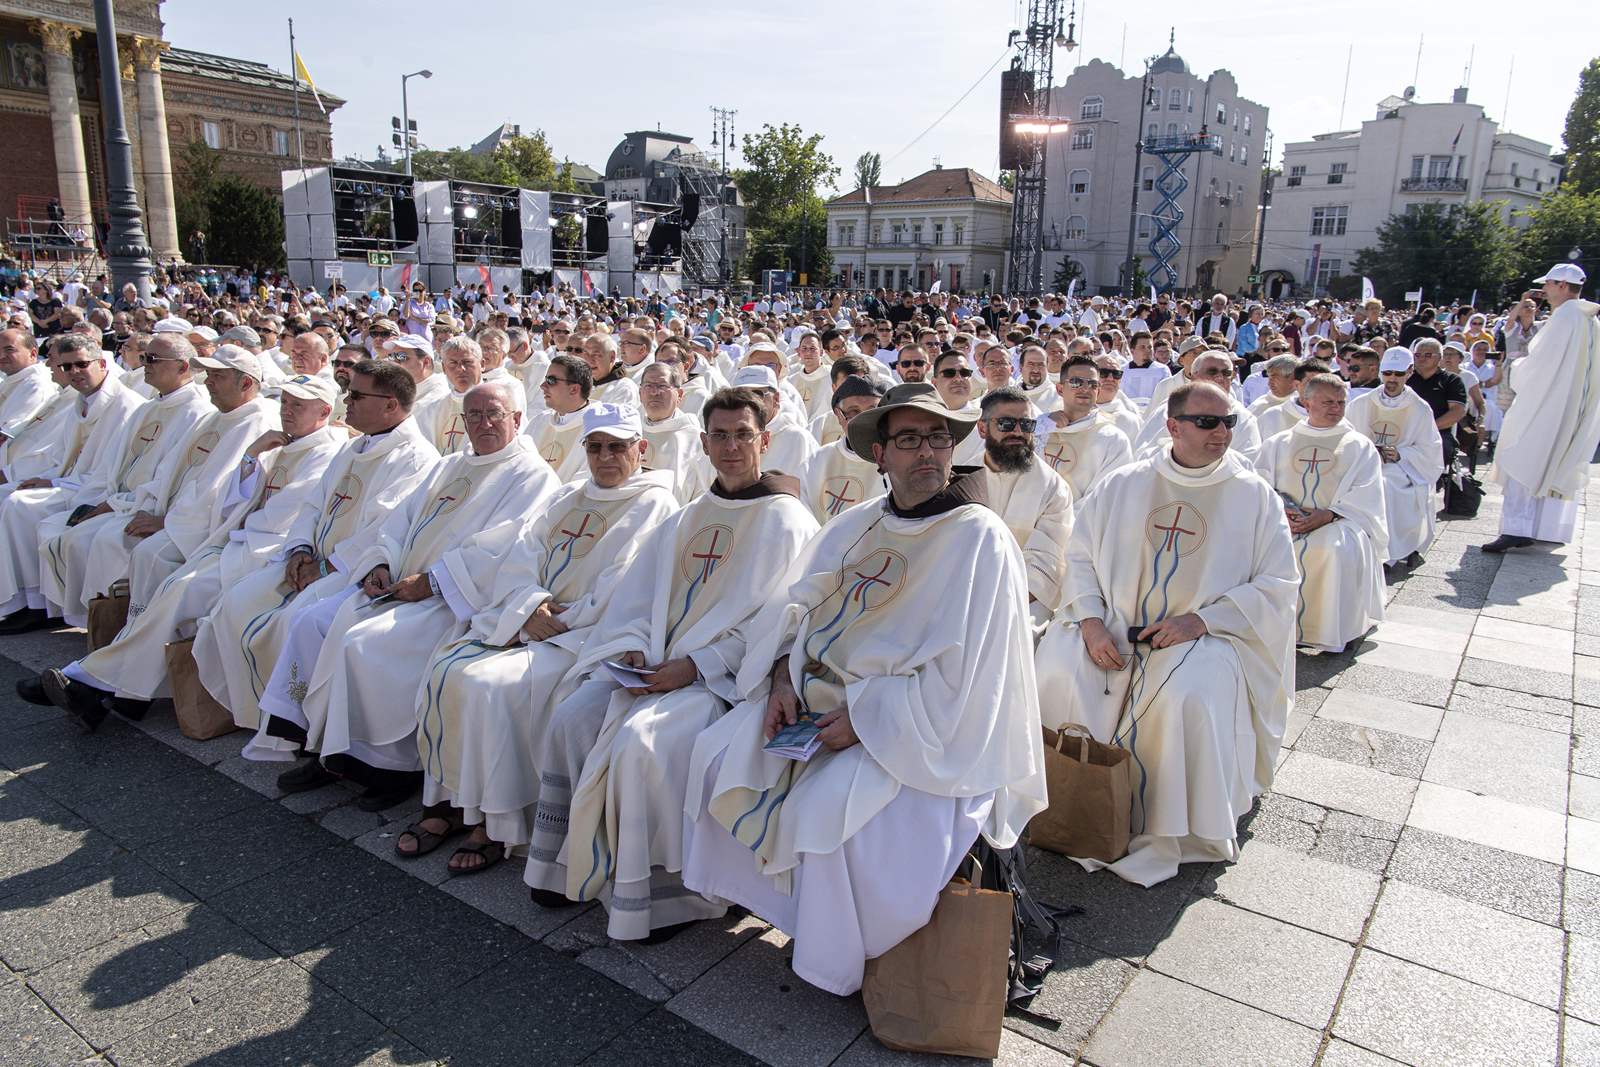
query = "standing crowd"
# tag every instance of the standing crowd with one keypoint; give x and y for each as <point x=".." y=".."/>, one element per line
<point x="685" y="604"/>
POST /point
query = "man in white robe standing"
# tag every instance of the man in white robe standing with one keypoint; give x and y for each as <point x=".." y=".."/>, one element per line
<point x="484" y="705"/>
<point x="1078" y="441"/>
<point x="1331" y="481"/>
<point x="610" y="816"/>
<point x="1175" y="636"/>
<point x="671" y="435"/>
<point x="1399" y="423"/>
<point x="1553" y="426"/>
<point x="1215" y="368"/>
<point x="351" y="664"/>
<point x="837" y="479"/>
<point x="236" y="646"/>
<point x="279" y="471"/>
<point x="901" y="635"/>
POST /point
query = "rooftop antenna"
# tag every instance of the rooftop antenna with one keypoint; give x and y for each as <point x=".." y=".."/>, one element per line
<point x="1466" y="77"/>
<point x="1122" y="56"/>
<point x="1348" y="59"/>
<point x="1416" y="75"/>
<point x="1505" y="111"/>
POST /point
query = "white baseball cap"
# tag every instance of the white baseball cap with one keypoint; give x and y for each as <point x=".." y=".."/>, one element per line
<point x="310" y="387"/>
<point x="173" y="324"/>
<point x="411" y="341"/>
<point x="232" y="357"/>
<point x="614" y="420"/>
<point x="205" y="333"/>
<point x="1570" y="273"/>
<point x="755" y="376"/>
<point x="1397" y="358"/>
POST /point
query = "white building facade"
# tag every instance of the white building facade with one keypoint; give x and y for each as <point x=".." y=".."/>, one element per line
<point x="950" y="224"/>
<point x="1338" y="188"/>
<point x="1089" y="175"/>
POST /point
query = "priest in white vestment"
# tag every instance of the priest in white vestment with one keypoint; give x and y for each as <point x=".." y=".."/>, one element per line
<point x="1553" y="426"/>
<point x="88" y="456"/>
<point x="484" y="705"/>
<point x="1079" y="441"/>
<point x="351" y="664"/>
<point x="1036" y="382"/>
<point x="1175" y="636"/>
<point x="810" y="375"/>
<point x="1331" y="481"/>
<point x="1032" y="500"/>
<point x="237" y="645"/>
<point x="1400" y="425"/>
<point x="185" y="507"/>
<point x="701" y="375"/>
<point x="439" y="417"/>
<point x="792" y="444"/>
<point x="836" y="479"/>
<point x="1116" y="407"/>
<point x="1275" y="418"/>
<point x="611" y="385"/>
<point x="671" y="435"/>
<point x="279" y="471"/>
<point x="26" y="388"/>
<point x="609" y="823"/>
<point x="1278" y="384"/>
<point x="39" y="445"/>
<point x="901" y="634"/>
<point x="1215" y="369"/>
<point x="415" y="355"/>
<point x="568" y="388"/>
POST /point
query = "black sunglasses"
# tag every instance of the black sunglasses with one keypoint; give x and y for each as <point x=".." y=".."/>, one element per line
<point x="1108" y="372"/>
<point x="956" y="372"/>
<point x="1010" y="424"/>
<point x="1209" y="422"/>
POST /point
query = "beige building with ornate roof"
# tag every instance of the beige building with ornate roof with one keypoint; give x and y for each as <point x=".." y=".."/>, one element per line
<point x="51" y="127"/>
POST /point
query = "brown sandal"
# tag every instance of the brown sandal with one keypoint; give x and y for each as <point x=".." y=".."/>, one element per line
<point x="481" y="851"/>
<point x="426" y="840"/>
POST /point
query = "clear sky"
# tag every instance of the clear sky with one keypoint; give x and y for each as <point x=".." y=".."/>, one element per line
<point x="869" y="76"/>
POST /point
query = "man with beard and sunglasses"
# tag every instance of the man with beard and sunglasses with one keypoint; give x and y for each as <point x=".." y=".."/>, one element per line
<point x="1034" y="501"/>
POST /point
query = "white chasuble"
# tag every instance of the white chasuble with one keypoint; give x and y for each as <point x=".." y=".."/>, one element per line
<point x="1154" y="437"/>
<point x="1125" y="416"/>
<point x="23" y="396"/>
<point x="837" y="479"/>
<point x="1550" y="432"/>
<point x="615" y="388"/>
<point x="1405" y="424"/>
<point x="1276" y="418"/>
<point x="673" y="446"/>
<point x="1036" y="506"/>
<point x="1085" y="451"/>
<point x="362" y="688"/>
<point x="485" y="701"/>
<point x="557" y="437"/>
<point x="1043" y="397"/>
<point x="815" y="389"/>
<point x="40" y="444"/>
<point x="134" y="665"/>
<point x="792" y="446"/>
<point x="441" y="422"/>
<point x="692" y="592"/>
<point x="237" y="645"/>
<point x="1203" y="719"/>
<point x="1341" y="572"/>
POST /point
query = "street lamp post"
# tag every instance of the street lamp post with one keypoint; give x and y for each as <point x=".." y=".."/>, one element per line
<point x="1128" y="269"/>
<point x="128" y="251"/>
<point x="405" y="114"/>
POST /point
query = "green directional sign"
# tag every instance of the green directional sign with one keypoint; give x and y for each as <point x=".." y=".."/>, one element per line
<point x="380" y="259"/>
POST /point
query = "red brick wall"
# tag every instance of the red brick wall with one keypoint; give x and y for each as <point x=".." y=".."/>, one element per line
<point x="30" y="159"/>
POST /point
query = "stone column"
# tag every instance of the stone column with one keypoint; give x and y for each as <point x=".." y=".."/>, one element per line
<point x="161" y="214"/>
<point x="66" y="124"/>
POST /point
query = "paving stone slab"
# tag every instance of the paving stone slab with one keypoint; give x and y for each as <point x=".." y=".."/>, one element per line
<point x="1471" y="941"/>
<point x="1078" y="991"/>
<point x="1586" y="754"/>
<point x="1325" y="897"/>
<point x="1520" y="679"/>
<point x="1418" y="721"/>
<point x="1583" y="977"/>
<point x="1345" y="787"/>
<point x="551" y="1010"/>
<point x="236" y="848"/>
<point x="1583" y="796"/>
<point x="1581" y="1043"/>
<point x="1583" y="844"/>
<point x="121" y="986"/>
<point x="653" y="971"/>
<point x="373" y="963"/>
<point x="1344" y="1054"/>
<point x="1290" y="972"/>
<point x="317" y="801"/>
<point x="63" y="761"/>
<point x="1398" y="685"/>
<point x="1356" y="841"/>
<point x="140" y="813"/>
<point x="1015" y="1051"/>
<point x="661" y="1039"/>
<point x="1514" y="763"/>
<point x="432" y="868"/>
<point x="83" y="909"/>
<point x="1417" y="1015"/>
<point x="1580" y="912"/>
<point x="1490" y="821"/>
<point x="1553" y="659"/>
<point x="1118" y="917"/>
<point x="349" y="821"/>
<point x="31" y="1035"/>
<point x="282" y="1015"/>
<point x="1515" y="883"/>
<point x="1504" y="705"/>
<point x="1309" y="701"/>
<point x="1436" y="594"/>
<point x="210" y="752"/>
<point x="43" y="842"/>
<point x="302" y="904"/>
<point x="1585" y="721"/>
<point x="256" y="775"/>
<point x="1433" y="663"/>
<point x="1364" y="747"/>
<point x="501" y="894"/>
<point x="754" y="1002"/>
<point x="1447" y="621"/>
<point x="1430" y="639"/>
<point x="389" y="1049"/>
<point x="1161" y="1021"/>
<point x="1522" y="634"/>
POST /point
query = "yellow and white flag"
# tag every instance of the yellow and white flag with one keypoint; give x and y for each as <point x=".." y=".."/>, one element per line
<point x="302" y="74"/>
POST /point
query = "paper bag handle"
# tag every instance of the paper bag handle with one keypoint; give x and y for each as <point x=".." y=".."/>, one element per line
<point x="1077" y="730"/>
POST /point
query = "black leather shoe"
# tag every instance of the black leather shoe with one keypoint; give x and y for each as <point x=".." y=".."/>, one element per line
<point x="128" y="707"/>
<point x="662" y="934"/>
<point x="377" y="798"/>
<point x="1505" y="541"/>
<point x="306" y="776"/>
<point x="80" y="701"/>
<point x="23" y="621"/>
<point x="549" y="898"/>
<point x="1415" y="560"/>
<point x="32" y="691"/>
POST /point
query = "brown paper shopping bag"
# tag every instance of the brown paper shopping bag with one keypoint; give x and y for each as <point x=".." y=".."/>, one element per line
<point x="107" y="616"/>
<point x="199" y="716"/>
<point x="943" y="989"/>
<point x="1091" y="797"/>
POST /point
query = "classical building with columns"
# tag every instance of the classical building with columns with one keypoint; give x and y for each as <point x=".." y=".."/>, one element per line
<point x="50" y="115"/>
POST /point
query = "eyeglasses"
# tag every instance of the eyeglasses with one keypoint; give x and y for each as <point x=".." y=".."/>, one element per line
<point x="656" y="387"/>
<point x="1080" y="383"/>
<point x="473" y="418"/>
<point x="1110" y="372"/>
<point x="912" y="363"/>
<point x="614" y="448"/>
<point x="574" y="350"/>
<point x="738" y="437"/>
<point x="78" y="365"/>
<point x="348" y="364"/>
<point x="1209" y="422"/>
<point x="1011" y="423"/>
<point x="956" y="372"/>
<point x="352" y="395"/>
<point x="939" y="440"/>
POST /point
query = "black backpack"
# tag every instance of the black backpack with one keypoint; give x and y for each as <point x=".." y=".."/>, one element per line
<point x="1462" y="493"/>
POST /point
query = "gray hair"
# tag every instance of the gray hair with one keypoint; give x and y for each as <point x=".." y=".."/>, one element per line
<point x="674" y="373"/>
<point x="67" y="343"/>
<point x="1284" y="364"/>
<point x="494" y="333"/>
<point x="516" y="337"/>
<point x="1325" y="381"/>
<point x="181" y="347"/>
<point x="461" y="343"/>
<point x="608" y="342"/>
<point x="1427" y="342"/>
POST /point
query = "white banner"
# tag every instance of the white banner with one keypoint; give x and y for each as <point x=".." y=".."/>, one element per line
<point x="1367" y="291"/>
<point x="536" y="237"/>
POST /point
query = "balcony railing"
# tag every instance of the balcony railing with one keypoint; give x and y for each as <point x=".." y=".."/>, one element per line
<point x="1433" y="185"/>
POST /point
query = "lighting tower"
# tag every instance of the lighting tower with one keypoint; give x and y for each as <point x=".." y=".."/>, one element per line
<point x="1035" y="63"/>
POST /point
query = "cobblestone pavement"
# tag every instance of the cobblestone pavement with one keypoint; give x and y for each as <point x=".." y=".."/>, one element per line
<point x="1422" y="887"/>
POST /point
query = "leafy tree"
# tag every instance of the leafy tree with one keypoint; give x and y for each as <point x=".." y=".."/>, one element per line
<point x="525" y="161"/>
<point x="1007" y="180"/>
<point x="195" y="168"/>
<point x="1557" y="225"/>
<point x="869" y="170"/>
<point x="1582" y="134"/>
<point x="246" y="223"/>
<point x="786" y="166"/>
<point x="1065" y="273"/>
<point x="1447" y="251"/>
<point x="777" y="246"/>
